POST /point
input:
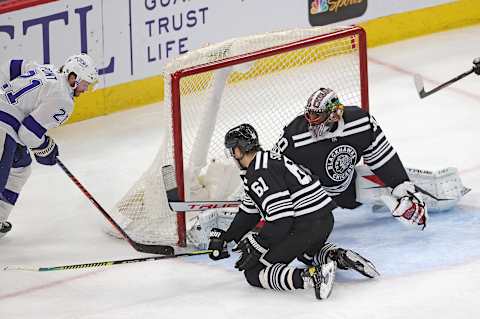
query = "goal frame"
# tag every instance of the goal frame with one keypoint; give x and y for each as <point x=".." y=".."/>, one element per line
<point x="176" y="77"/>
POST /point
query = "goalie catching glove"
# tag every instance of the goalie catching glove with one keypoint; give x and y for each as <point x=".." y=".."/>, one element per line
<point x="407" y="205"/>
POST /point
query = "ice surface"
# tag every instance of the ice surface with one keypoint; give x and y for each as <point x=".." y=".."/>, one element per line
<point x="429" y="274"/>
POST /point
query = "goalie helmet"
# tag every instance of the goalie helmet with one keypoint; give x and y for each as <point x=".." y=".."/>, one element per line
<point x="83" y="66"/>
<point x="244" y="136"/>
<point x="323" y="110"/>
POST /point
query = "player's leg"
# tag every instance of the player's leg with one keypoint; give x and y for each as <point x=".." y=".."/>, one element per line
<point x="278" y="275"/>
<point x="7" y="151"/>
<point x="16" y="179"/>
<point x="346" y="259"/>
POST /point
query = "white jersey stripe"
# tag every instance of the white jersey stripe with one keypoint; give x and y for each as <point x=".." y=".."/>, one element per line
<point x="309" y="210"/>
<point x="383" y="161"/>
<point x="356" y="122"/>
<point x="273" y="197"/>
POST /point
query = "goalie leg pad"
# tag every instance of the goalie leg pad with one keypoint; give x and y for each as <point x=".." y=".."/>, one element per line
<point x="444" y="184"/>
<point x="198" y="233"/>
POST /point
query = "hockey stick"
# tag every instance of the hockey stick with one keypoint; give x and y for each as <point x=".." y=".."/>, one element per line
<point x="421" y="89"/>
<point x="421" y="190"/>
<point x="144" y="248"/>
<point x="177" y="205"/>
<point x="105" y="263"/>
<point x="190" y="206"/>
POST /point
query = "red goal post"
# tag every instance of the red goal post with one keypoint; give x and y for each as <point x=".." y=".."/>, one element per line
<point x="264" y="80"/>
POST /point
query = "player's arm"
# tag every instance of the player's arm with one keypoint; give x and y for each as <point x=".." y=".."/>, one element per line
<point x="244" y="221"/>
<point x="278" y="212"/>
<point x="271" y="191"/>
<point x="13" y="68"/>
<point x="405" y="202"/>
<point x="382" y="158"/>
<point x="33" y="129"/>
<point x="49" y="114"/>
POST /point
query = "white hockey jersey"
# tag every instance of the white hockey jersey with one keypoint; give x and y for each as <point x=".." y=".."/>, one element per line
<point x="38" y="99"/>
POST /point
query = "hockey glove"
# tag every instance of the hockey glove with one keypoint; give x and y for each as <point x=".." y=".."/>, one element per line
<point x="251" y="253"/>
<point x="47" y="152"/>
<point x="217" y="244"/>
<point x="407" y="205"/>
<point x="476" y="66"/>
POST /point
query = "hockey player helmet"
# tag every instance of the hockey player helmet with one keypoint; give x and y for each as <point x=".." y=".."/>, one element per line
<point x="323" y="109"/>
<point x="83" y="66"/>
<point x="243" y="136"/>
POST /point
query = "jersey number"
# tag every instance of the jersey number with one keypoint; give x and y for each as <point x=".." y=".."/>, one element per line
<point x="259" y="187"/>
<point x="60" y="116"/>
<point x="302" y="177"/>
<point x="281" y="145"/>
<point x="13" y="97"/>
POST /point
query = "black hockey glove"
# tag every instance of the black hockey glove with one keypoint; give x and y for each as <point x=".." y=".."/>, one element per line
<point x="476" y="66"/>
<point x="251" y="252"/>
<point x="217" y="244"/>
<point x="47" y="152"/>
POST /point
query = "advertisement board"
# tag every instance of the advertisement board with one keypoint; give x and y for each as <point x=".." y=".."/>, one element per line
<point x="133" y="39"/>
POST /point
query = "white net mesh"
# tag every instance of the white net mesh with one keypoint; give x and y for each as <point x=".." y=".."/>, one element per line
<point x="266" y="92"/>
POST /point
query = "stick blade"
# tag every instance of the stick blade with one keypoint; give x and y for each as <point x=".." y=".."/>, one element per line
<point x="170" y="183"/>
<point x="19" y="267"/>
<point x="419" y="85"/>
<point x="154" y="249"/>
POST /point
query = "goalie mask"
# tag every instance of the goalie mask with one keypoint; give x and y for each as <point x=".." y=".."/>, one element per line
<point x="322" y="111"/>
<point x="244" y="137"/>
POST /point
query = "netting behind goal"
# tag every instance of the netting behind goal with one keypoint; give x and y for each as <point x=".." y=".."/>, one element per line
<point x="264" y="80"/>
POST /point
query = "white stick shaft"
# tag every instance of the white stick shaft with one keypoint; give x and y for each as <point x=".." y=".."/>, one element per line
<point x="201" y="205"/>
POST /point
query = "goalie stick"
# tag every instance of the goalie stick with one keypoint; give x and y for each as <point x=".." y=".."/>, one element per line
<point x="144" y="248"/>
<point x="105" y="263"/>
<point x="421" y="89"/>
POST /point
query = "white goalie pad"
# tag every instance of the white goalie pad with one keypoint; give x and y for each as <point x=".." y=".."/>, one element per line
<point x="444" y="184"/>
<point x="220" y="181"/>
<point x="198" y="232"/>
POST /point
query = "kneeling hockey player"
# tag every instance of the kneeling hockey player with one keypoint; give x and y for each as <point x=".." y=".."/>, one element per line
<point x="298" y="220"/>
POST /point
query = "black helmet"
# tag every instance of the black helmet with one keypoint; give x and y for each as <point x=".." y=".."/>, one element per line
<point x="244" y="136"/>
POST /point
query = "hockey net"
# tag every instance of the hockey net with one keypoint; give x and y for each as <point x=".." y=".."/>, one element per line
<point x="263" y="80"/>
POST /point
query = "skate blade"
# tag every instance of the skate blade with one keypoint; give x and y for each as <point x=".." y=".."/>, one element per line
<point x="327" y="273"/>
<point x="362" y="265"/>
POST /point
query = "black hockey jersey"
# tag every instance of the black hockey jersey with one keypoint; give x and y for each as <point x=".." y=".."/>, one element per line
<point x="280" y="192"/>
<point x="333" y="156"/>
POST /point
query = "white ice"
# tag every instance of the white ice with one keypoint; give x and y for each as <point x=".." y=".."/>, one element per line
<point x="430" y="274"/>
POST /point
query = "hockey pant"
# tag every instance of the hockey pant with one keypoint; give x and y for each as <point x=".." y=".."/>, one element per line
<point x="14" y="171"/>
<point x="307" y="237"/>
